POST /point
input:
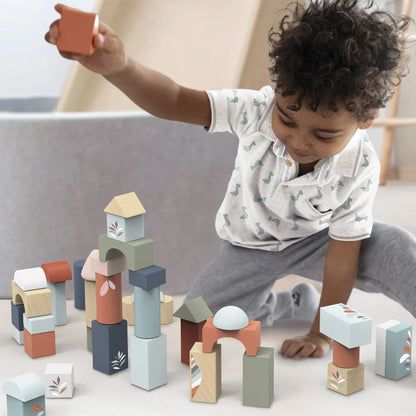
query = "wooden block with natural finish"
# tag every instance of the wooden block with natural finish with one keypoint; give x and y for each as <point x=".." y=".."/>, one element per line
<point x="248" y="336"/>
<point x="205" y="374"/>
<point x="345" y="357"/>
<point x="90" y="302"/>
<point x="128" y="309"/>
<point x="166" y="310"/>
<point x="345" y="380"/>
<point x="37" y="302"/>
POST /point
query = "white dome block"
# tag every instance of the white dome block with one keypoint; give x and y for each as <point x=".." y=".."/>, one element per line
<point x="30" y="279"/>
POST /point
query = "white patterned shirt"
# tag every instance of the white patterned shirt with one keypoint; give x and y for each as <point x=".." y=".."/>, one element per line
<point x="267" y="206"/>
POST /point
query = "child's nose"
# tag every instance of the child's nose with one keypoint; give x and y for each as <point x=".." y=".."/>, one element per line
<point x="300" y="142"/>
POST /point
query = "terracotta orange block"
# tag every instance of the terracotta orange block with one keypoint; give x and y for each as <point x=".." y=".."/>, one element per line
<point x="39" y="345"/>
<point x="57" y="271"/>
<point x="190" y="333"/>
<point x="345" y="357"/>
<point x="109" y="299"/>
<point x="76" y="31"/>
<point x="248" y="336"/>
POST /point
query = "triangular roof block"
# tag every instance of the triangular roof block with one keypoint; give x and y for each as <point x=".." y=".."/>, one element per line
<point x="25" y="387"/>
<point x="126" y="206"/>
<point x="195" y="310"/>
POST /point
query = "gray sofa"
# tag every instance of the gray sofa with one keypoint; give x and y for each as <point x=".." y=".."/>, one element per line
<point x="59" y="171"/>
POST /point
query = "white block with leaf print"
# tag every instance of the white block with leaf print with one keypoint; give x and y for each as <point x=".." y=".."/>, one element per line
<point x="59" y="380"/>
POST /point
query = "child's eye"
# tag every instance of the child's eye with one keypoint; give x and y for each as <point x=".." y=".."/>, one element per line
<point x="287" y="123"/>
<point x="324" y="139"/>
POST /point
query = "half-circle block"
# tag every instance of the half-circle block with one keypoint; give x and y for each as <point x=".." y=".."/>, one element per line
<point x="30" y="279"/>
<point x="248" y="336"/>
<point x="57" y="271"/>
<point x="139" y="253"/>
<point x="25" y="387"/>
<point x="37" y="302"/>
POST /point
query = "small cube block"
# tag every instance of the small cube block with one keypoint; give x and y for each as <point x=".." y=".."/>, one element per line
<point x="345" y="325"/>
<point x="76" y="31"/>
<point x="345" y="380"/>
<point x="39" y="324"/>
<point x="148" y="361"/>
<point x="40" y="345"/>
<point x="148" y="278"/>
<point x="59" y="380"/>
<point x="17" y="315"/>
<point x="109" y="347"/>
<point x="394" y="349"/>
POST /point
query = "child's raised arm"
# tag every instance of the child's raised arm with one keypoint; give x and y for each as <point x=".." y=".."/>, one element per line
<point x="149" y="89"/>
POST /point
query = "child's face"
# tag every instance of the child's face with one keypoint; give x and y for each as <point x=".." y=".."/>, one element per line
<point x="312" y="135"/>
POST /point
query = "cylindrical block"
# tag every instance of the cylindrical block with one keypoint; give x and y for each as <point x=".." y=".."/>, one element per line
<point x="345" y="357"/>
<point x="108" y="295"/>
<point x="79" y="287"/>
<point x="146" y="312"/>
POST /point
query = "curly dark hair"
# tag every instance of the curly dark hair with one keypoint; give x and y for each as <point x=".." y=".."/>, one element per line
<point x="337" y="52"/>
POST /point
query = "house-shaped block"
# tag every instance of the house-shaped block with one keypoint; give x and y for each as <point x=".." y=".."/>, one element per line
<point x="125" y="218"/>
<point x="193" y="315"/>
<point x="25" y="395"/>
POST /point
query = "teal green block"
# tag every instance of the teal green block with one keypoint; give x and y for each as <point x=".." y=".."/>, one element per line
<point x="125" y="229"/>
<point x="89" y="339"/>
<point x="148" y="362"/>
<point x="58" y="295"/>
<point x="146" y="312"/>
<point x="258" y="378"/>
<point x="398" y="351"/>
<point x="139" y="253"/>
<point x="344" y="325"/>
<point x="39" y="324"/>
<point x="16" y="407"/>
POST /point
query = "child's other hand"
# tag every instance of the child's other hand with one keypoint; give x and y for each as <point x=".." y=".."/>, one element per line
<point x="310" y="345"/>
<point x="109" y="57"/>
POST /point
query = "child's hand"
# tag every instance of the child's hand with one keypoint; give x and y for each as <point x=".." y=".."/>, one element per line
<point x="109" y="57"/>
<point x="310" y="345"/>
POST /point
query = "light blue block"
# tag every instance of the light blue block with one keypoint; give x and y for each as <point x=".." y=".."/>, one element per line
<point x="58" y="294"/>
<point x="16" y="407"/>
<point x="146" y="312"/>
<point x="39" y="324"/>
<point x="148" y="362"/>
<point x="346" y="326"/>
<point x="125" y="229"/>
<point x="398" y="356"/>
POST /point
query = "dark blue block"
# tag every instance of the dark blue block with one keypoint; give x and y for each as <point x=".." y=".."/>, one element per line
<point x="148" y="278"/>
<point x="79" y="285"/>
<point x="109" y="347"/>
<point x="17" y="315"/>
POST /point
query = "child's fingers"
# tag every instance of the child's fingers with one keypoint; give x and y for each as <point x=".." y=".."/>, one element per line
<point x="291" y="349"/>
<point x="58" y="7"/>
<point x="306" y="351"/>
<point x="52" y="35"/>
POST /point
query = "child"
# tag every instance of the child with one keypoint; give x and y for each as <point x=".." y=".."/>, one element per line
<point x="300" y="197"/>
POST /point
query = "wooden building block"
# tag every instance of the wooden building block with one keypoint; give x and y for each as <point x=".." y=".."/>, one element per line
<point x="90" y="302"/>
<point x="30" y="279"/>
<point x="39" y="324"/>
<point x="190" y="333"/>
<point x="393" y="349"/>
<point x="58" y="296"/>
<point x="166" y="310"/>
<point x="139" y="253"/>
<point x="128" y="309"/>
<point x="248" y="336"/>
<point x="109" y="267"/>
<point x="40" y="345"/>
<point x="59" y="380"/>
<point x="195" y="310"/>
<point x="148" y="278"/>
<point x="345" y="380"/>
<point x="79" y="287"/>
<point x="17" y="315"/>
<point x="146" y="312"/>
<point x="148" y="361"/>
<point x="77" y="30"/>
<point x="258" y="378"/>
<point x="37" y="302"/>
<point x="18" y="336"/>
<point x="89" y="339"/>
<point x="125" y="217"/>
<point x="88" y="272"/>
<point x="108" y="297"/>
<point x="25" y="395"/>
<point x="344" y="325"/>
<point x="57" y="271"/>
<point x="109" y="347"/>
<point x="345" y="357"/>
<point x="205" y="374"/>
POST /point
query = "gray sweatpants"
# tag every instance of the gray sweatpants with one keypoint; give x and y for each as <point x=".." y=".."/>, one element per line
<point x="244" y="277"/>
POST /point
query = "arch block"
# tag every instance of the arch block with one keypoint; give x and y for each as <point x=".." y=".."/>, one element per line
<point x="139" y="253"/>
<point x="248" y="336"/>
<point x="37" y="302"/>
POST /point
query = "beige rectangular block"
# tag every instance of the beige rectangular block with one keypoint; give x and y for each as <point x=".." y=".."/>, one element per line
<point x="128" y="309"/>
<point x="90" y="302"/>
<point x="345" y="380"/>
<point x="205" y="374"/>
<point x="166" y="310"/>
<point x="37" y="302"/>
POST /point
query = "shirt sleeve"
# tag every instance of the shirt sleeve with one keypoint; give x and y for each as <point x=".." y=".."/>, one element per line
<point x="238" y="111"/>
<point x="353" y="220"/>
